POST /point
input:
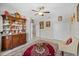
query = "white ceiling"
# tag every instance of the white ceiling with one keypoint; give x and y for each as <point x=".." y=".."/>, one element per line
<point x="54" y="8"/>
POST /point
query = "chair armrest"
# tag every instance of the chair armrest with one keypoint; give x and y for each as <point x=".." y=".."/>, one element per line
<point x="71" y="48"/>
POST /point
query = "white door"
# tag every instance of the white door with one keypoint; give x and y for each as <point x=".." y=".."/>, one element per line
<point x="33" y="30"/>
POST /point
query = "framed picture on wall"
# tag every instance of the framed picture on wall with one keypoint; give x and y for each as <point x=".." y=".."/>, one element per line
<point x="78" y="12"/>
<point x="59" y="18"/>
<point x="47" y="23"/>
<point x="41" y="23"/>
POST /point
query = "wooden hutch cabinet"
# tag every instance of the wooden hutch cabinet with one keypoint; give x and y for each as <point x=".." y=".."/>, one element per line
<point x="14" y="31"/>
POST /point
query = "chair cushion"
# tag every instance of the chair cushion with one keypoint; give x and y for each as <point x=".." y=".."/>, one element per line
<point x="69" y="41"/>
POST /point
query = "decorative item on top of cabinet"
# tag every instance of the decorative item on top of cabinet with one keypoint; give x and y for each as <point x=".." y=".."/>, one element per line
<point x="59" y="18"/>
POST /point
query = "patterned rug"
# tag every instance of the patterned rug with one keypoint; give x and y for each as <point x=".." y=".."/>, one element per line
<point x="40" y="49"/>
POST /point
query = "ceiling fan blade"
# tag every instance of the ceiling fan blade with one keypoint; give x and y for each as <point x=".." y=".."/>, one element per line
<point x="41" y="8"/>
<point x="34" y="10"/>
<point x="46" y="12"/>
<point x="36" y="14"/>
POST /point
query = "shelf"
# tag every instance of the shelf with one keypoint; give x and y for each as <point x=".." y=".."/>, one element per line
<point x="6" y="29"/>
<point x="6" y="24"/>
<point x="13" y="24"/>
<point x="13" y="34"/>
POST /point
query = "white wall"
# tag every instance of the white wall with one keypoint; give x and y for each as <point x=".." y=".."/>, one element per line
<point x="58" y="30"/>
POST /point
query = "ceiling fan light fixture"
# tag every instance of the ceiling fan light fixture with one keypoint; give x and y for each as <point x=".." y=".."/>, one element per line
<point x="40" y="13"/>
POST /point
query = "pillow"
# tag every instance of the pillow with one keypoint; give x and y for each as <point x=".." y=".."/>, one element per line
<point x="69" y="41"/>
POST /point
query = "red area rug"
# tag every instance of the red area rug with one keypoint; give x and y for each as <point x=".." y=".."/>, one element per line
<point x="43" y="49"/>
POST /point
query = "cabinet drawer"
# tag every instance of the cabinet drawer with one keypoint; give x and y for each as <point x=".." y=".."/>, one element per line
<point x="22" y="39"/>
<point x="15" y="40"/>
<point x="6" y="42"/>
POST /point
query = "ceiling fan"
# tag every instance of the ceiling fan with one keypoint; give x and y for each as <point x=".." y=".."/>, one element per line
<point x="40" y="11"/>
